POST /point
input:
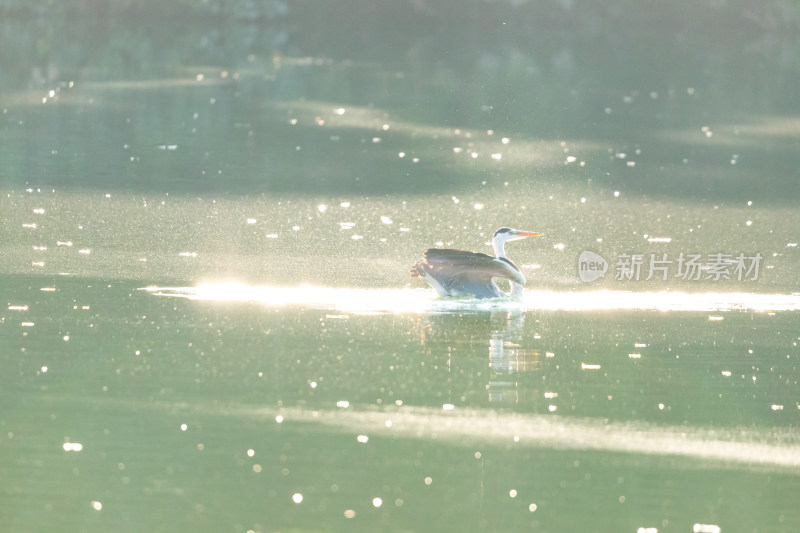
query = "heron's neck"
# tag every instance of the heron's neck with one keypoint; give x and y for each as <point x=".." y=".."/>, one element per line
<point x="499" y="248"/>
<point x="516" y="289"/>
<point x="500" y="251"/>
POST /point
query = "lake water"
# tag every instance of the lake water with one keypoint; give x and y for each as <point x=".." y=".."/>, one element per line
<point x="207" y="217"/>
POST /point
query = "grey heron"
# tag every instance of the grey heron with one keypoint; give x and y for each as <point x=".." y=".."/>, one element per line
<point x="463" y="273"/>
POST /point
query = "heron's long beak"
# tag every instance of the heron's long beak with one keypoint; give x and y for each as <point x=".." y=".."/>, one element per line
<point x="528" y="234"/>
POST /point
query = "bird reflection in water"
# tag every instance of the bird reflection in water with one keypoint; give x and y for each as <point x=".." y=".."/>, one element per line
<point x="508" y="357"/>
<point x="502" y="332"/>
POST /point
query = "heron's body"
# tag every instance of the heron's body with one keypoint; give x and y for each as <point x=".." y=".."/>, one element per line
<point x="462" y="273"/>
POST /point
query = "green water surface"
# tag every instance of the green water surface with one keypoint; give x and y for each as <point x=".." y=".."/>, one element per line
<point x="148" y="151"/>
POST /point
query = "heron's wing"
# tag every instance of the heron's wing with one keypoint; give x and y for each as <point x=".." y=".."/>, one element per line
<point x="462" y="272"/>
<point x="461" y="261"/>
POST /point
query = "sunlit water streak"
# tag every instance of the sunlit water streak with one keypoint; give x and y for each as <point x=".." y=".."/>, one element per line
<point x="469" y="427"/>
<point x="421" y="300"/>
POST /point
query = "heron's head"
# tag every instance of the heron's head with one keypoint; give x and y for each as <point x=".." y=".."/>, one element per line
<point x="507" y="234"/>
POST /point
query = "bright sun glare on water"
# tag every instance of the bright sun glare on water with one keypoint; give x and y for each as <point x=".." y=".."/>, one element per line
<point x="420" y="300"/>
